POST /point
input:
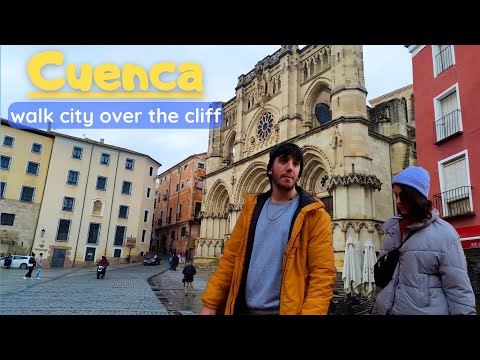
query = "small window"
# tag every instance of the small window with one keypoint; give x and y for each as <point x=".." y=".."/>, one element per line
<point x="117" y="253"/>
<point x="3" y="186"/>
<point x="72" y="178"/>
<point x="148" y="192"/>
<point x="93" y="233"/>
<point x="151" y="171"/>
<point x="105" y="159"/>
<point x="68" y="203"/>
<point x="198" y="207"/>
<point x="32" y="168"/>
<point x="8" y="141"/>
<point x="63" y="230"/>
<point x="27" y="193"/>
<point x="201" y="165"/>
<point x="185" y="167"/>
<point x="183" y="184"/>
<point x="6" y="160"/>
<point x="127" y="188"/>
<point x="145" y="216"/>
<point x="119" y="235"/>
<point x="123" y="212"/>
<point x="178" y="187"/>
<point x="144" y="232"/>
<point x="101" y="183"/>
<point x="77" y="152"/>
<point x="7" y="219"/>
<point x="36" y="148"/>
<point x="129" y="164"/>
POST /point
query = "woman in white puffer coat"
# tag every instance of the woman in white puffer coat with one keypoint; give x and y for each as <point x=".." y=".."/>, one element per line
<point x="431" y="276"/>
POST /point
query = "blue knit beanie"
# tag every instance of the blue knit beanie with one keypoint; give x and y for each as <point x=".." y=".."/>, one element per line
<point x="416" y="177"/>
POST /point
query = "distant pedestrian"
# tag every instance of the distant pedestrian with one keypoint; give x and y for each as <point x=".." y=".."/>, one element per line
<point x="175" y="262"/>
<point x="189" y="272"/>
<point x="31" y="265"/>
<point x="8" y="261"/>
<point x="39" y="266"/>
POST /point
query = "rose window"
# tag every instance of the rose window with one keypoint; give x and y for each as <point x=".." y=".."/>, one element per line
<point x="265" y="126"/>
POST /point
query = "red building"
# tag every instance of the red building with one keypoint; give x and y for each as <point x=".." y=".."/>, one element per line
<point x="446" y="84"/>
<point x="178" y="202"/>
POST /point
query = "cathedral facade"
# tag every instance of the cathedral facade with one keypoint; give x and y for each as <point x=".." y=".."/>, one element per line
<point x="316" y="98"/>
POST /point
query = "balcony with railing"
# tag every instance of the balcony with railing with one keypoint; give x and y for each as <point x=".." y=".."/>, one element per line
<point x="444" y="59"/>
<point x="454" y="202"/>
<point x="447" y="126"/>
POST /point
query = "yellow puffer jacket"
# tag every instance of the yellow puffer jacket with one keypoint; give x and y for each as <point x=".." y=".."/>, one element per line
<point x="308" y="262"/>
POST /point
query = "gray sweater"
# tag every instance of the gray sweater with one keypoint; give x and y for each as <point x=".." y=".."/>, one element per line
<point x="431" y="276"/>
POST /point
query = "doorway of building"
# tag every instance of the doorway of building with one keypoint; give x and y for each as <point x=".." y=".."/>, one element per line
<point x="58" y="259"/>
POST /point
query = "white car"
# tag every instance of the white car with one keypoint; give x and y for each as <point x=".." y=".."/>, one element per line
<point x="18" y="261"/>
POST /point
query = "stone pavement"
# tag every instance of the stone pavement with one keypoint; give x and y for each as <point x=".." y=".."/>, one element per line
<point x="169" y="289"/>
<point x="128" y="289"/>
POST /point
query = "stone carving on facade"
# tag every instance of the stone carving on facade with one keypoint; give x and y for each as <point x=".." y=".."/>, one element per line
<point x="370" y="181"/>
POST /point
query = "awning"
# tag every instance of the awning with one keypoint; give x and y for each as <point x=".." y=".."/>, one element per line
<point x="469" y="236"/>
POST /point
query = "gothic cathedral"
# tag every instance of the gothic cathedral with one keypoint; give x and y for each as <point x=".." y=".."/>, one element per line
<point x="316" y="98"/>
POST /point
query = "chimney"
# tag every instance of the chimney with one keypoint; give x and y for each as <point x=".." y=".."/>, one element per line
<point x="102" y="140"/>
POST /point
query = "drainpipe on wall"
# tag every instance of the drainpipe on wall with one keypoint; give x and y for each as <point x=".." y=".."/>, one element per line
<point x="43" y="195"/>
<point x="111" y="206"/>
<point x="83" y="205"/>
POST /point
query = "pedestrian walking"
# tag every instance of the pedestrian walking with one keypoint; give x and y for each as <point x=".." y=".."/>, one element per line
<point x="31" y="265"/>
<point x="39" y="266"/>
<point x="189" y="272"/>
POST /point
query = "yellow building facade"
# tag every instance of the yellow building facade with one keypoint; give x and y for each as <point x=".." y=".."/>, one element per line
<point x="25" y="158"/>
<point x="99" y="200"/>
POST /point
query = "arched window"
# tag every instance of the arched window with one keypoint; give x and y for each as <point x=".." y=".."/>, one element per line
<point x="322" y="112"/>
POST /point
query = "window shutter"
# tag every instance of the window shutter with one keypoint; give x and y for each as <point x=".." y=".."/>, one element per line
<point x="455" y="174"/>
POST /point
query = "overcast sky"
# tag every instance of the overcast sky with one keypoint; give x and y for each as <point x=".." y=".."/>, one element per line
<point x="387" y="68"/>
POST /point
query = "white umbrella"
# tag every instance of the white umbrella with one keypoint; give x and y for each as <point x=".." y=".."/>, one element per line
<point x="352" y="272"/>
<point x="368" y="279"/>
<point x="359" y="250"/>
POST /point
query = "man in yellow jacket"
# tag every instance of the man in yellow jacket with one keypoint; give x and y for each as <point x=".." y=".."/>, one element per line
<point x="279" y="258"/>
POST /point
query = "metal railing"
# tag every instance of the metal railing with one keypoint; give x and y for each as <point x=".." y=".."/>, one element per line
<point x="453" y="202"/>
<point x="444" y="59"/>
<point x="447" y="125"/>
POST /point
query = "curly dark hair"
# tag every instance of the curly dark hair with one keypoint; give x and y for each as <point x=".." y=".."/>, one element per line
<point x="418" y="206"/>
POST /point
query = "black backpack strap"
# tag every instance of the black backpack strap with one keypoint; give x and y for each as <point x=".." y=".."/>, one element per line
<point x="408" y="237"/>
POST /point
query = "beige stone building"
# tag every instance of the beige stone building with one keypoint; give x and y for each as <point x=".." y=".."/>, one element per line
<point x="25" y="157"/>
<point x="316" y="98"/>
<point x="99" y="200"/>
